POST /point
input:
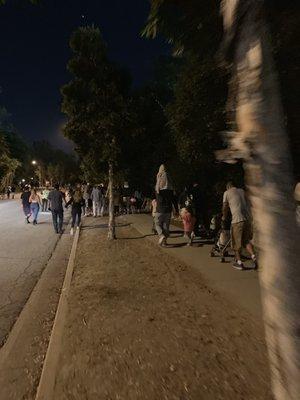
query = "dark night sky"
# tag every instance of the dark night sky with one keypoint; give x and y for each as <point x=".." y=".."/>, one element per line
<point x="34" y="53"/>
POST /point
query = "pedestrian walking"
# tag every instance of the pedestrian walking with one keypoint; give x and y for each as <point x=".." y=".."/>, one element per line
<point x="45" y="195"/>
<point x="188" y="219"/>
<point x="35" y="204"/>
<point x="56" y="198"/>
<point x="96" y="196"/>
<point x="13" y="192"/>
<point x="8" y="191"/>
<point x="234" y="200"/>
<point x="166" y="200"/>
<point x="26" y="203"/>
<point x="77" y="201"/>
<point x="87" y="198"/>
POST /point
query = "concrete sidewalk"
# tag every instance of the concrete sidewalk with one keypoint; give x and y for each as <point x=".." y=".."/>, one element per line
<point x="241" y="287"/>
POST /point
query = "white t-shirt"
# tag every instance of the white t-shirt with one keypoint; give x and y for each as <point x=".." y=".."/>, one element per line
<point x="236" y="200"/>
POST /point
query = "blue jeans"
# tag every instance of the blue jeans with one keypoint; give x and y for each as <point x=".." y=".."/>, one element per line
<point x="35" y="208"/>
<point x="58" y="219"/>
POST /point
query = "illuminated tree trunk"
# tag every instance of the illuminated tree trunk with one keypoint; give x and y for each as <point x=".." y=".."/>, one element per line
<point x="262" y="142"/>
<point x="111" y="215"/>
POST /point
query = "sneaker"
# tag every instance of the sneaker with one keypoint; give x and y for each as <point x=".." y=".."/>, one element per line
<point x="239" y="266"/>
<point x="77" y="227"/>
<point x="162" y="241"/>
<point x="72" y="231"/>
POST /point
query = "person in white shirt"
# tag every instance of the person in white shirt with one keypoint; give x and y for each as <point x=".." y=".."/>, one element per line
<point x="96" y="199"/>
<point x="241" y="230"/>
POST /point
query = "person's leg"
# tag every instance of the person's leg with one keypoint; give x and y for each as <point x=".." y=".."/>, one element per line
<point x="60" y="220"/>
<point x="37" y="210"/>
<point x="236" y="242"/>
<point x="158" y="224"/>
<point x="73" y="218"/>
<point x="54" y="219"/>
<point x="78" y="218"/>
<point x="247" y="237"/>
<point x="94" y="209"/>
<point x="166" y="224"/>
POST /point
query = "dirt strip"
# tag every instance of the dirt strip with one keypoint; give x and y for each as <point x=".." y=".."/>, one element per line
<point x="142" y="325"/>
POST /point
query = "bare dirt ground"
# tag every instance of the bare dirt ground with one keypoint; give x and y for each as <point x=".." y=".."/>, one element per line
<point x="142" y="325"/>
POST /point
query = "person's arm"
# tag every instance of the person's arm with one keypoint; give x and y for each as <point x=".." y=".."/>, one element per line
<point x="225" y="208"/>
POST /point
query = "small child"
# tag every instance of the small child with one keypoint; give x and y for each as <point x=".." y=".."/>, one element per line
<point x="189" y="221"/>
<point x="153" y="211"/>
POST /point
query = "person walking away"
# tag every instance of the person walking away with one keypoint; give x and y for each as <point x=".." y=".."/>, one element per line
<point x="166" y="200"/>
<point x="117" y="201"/>
<point x="96" y="199"/>
<point x="35" y="203"/>
<point x="199" y="207"/>
<point x="139" y="200"/>
<point x="241" y="230"/>
<point x="13" y="192"/>
<point x="26" y="203"/>
<point x="8" y="191"/>
<point x="77" y="201"/>
<point x="188" y="219"/>
<point x="56" y="198"/>
<point x="44" y="195"/>
<point x="86" y="197"/>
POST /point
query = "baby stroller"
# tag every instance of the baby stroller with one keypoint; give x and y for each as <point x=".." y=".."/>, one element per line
<point x="222" y="239"/>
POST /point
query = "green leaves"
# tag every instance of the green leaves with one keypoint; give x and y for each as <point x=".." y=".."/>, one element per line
<point x="93" y="101"/>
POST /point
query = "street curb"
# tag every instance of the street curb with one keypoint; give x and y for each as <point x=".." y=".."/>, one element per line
<point x="45" y="390"/>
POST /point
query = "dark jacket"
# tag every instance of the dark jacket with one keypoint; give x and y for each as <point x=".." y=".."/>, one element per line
<point x="165" y="201"/>
<point x="56" y="198"/>
<point x="76" y="205"/>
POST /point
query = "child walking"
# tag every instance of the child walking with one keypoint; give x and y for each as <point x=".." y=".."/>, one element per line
<point x="189" y="221"/>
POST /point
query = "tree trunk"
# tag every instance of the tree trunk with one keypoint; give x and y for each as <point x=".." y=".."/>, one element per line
<point x="262" y="142"/>
<point x="111" y="215"/>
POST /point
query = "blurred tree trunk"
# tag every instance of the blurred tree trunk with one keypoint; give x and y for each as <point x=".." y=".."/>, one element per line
<point x="261" y="140"/>
<point x="111" y="215"/>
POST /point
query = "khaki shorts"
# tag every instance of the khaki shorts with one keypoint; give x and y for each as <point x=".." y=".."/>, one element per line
<point x="241" y="235"/>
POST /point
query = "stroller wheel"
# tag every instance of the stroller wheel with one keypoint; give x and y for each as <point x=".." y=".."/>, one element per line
<point x="222" y="259"/>
<point x="212" y="254"/>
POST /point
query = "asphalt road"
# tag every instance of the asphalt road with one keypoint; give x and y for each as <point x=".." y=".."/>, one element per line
<point x="24" y="252"/>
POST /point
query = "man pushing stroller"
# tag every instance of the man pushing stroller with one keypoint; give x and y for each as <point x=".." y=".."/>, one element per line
<point x="234" y="200"/>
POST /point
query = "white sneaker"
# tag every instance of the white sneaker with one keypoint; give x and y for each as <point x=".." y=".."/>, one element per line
<point x="77" y="227"/>
<point x="72" y="232"/>
<point x="162" y="241"/>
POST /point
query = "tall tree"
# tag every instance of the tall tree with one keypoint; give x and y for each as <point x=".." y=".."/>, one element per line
<point x="262" y="142"/>
<point x="95" y="106"/>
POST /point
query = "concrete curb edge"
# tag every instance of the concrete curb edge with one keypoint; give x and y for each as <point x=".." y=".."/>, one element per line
<point x="45" y="390"/>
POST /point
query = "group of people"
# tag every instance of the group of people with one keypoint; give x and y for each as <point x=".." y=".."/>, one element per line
<point x="47" y="200"/>
<point x="190" y="206"/>
<point x="8" y="192"/>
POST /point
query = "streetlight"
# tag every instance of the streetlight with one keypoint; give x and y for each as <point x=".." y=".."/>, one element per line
<point x="33" y="162"/>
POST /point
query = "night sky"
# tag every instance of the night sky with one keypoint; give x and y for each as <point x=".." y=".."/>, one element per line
<point x="34" y="52"/>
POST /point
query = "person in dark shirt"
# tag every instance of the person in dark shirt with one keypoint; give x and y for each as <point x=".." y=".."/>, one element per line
<point x="165" y="201"/>
<point x="56" y="198"/>
<point x="77" y="203"/>
<point x="26" y="204"/>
